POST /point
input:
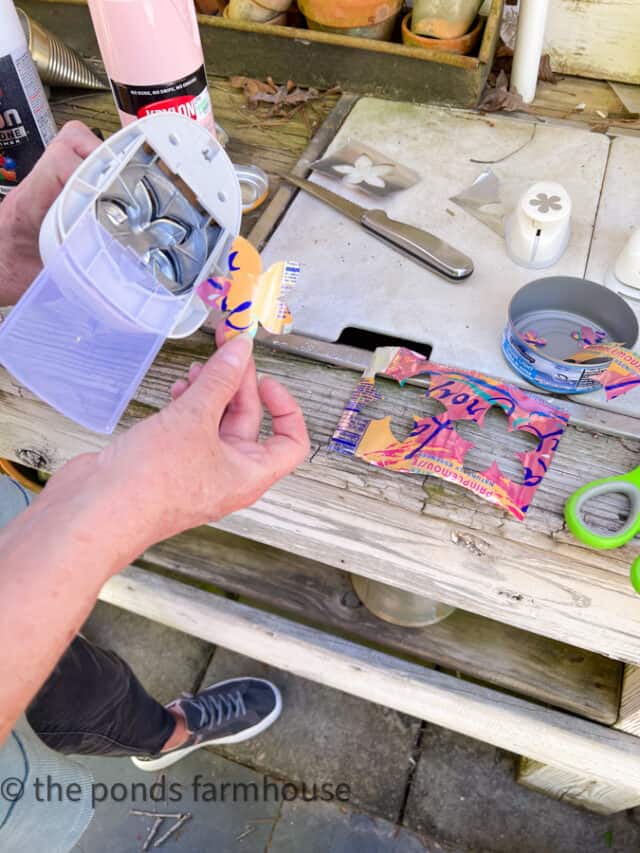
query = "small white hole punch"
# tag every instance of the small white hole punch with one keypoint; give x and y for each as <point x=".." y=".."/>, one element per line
<point x="537" y="232"/>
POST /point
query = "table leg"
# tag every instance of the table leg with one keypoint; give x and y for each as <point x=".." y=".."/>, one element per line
<point x="629" y="718"/>
<point x="592" y="794"/>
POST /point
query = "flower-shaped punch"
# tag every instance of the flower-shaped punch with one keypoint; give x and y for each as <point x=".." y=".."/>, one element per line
<point x="364" y="171"/>
<point x="144" y="210"/>
<point x="545" y="203"/>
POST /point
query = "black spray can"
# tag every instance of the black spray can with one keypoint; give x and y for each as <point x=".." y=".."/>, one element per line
<point x="26" y="123"/>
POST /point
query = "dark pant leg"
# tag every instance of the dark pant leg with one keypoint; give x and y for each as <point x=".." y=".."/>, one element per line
<point x="92" y="704"/>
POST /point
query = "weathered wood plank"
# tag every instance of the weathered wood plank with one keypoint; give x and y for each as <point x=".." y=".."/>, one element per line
<point x="456" y="549"/>
<point x="595" y="38"/>
<point x="629" y="718"/>
<point x="324" y="391"/>
<point x="552" y="672"/>
<point x="558" y="101"/>
<point x="575" y="745"/>
<point x="583" y="791"/>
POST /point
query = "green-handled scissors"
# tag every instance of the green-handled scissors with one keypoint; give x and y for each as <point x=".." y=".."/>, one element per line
<point x="627" y="485"/>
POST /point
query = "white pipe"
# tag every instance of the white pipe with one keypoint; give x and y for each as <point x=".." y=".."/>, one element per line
<point x="529" y="41"/>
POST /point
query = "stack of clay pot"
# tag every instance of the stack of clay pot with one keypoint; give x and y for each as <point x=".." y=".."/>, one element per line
<point x="210" y="7"/>
<point x="373" y="19"/>
<point x="262" y="12"/>
<point x="444" y="25"/>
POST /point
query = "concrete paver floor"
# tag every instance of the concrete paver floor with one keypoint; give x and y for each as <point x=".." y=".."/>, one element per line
<point x="411" y="786"/>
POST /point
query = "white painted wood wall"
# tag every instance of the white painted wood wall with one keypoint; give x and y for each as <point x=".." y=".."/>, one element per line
<point x="595" y="38"/>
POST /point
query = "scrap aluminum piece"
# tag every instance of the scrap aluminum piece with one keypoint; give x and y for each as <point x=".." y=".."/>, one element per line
<point x="360" y="167"/>
<point x="354" y="358"/>
<point x="480" y="197"/>
<point x="146" y="212"/>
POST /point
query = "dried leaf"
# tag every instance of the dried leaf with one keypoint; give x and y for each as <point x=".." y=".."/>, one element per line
<point x="503" y="50"/>
<point x="250" y="85"/>
<point x="284" y="100"/>
<point x="545" y="73"/>
<point x="500" y="98"/>
<point x="502" y="80"/>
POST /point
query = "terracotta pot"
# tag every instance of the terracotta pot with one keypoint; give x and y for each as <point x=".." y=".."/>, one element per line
<point x="381" y="31"/>
<point x="465" y="44"/>
<point x="444" y="19"/>
<point x="275" y="5"/>
<point x="210" y="7"/>
<point x="348" y="14"/>
<point x="249" y="10"/>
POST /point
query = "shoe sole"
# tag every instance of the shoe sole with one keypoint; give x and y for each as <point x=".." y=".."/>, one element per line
<point x="170" y="758"/>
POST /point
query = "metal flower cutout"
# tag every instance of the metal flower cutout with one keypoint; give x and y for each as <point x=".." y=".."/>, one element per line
<point x="146" y="212"/>
<point x="545" y="203"/>
<point x="149" y="237"/>
<point x="364" y="171"/>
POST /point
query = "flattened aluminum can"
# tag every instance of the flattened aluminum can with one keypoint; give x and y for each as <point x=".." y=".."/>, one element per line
<point x="551" y="319"/>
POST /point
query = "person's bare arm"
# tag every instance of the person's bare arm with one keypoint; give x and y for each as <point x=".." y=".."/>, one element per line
<point x="24" y="208"/>
<point x="195" y="461"/>
<point x="54" y="558"/>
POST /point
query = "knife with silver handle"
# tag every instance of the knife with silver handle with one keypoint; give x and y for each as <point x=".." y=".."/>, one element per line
<point x="419" y="245"/>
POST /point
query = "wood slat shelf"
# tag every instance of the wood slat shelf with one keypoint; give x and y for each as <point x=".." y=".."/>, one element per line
<point x="579" y="748"/>
<point x="556" y="673"/>
<point x="424" y="536"/>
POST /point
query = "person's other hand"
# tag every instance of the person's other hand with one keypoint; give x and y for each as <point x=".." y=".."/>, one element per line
<point x="24" y="208"/>
<point x="198" y="459"/>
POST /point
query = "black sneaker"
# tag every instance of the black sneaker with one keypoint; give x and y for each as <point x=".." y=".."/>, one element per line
<point x="227" y="712"/>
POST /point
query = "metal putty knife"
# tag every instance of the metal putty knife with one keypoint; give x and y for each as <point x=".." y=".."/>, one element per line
<point x="419" y="245"/>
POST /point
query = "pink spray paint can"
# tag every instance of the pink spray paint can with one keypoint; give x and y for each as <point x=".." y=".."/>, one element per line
<point x="153" y="56"/>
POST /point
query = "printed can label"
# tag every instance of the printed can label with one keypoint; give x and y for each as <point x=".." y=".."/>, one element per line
<point x="188" y="97"/>
<point x="549" y="375"/>
<point x="26" y="123"/>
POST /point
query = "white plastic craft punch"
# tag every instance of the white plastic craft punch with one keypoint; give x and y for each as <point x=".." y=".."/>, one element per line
<point x="624" y="276"/>
<point x="537" y="232"/>
<point x="144" y="219"/>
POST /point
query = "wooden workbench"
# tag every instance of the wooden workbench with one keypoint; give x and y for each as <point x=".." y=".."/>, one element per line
<point x="542" y="614"/>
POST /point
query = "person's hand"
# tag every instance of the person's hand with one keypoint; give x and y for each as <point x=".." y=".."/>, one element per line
<point x="195" y="461"/>
<point x="24" y="208"/>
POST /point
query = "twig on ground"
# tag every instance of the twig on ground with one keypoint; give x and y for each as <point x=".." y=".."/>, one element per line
<point x="510" y="154"/>
<point x="152" y="834"/>
<point x="176" y="826"/>
<point x="139" y="813"/>
<point x="248" y="831"/>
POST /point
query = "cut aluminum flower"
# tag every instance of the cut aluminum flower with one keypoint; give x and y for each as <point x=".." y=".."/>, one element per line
<point x="364" y="171"/>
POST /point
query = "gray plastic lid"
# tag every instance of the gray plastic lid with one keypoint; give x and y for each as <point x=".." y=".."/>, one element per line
<point x="85" y="333"/>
